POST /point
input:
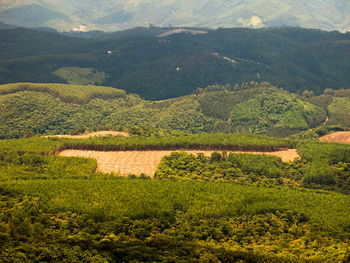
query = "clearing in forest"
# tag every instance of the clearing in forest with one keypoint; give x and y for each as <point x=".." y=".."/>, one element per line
<point x="341" y="137"/>
<point x="92" y="134"/>
<point x="81" y="76"/>
<point x="137" y="162"/>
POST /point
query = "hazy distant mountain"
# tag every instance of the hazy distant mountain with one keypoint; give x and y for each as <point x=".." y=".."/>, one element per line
<point x="6" y="26"/>
<point x="122" y="14"/>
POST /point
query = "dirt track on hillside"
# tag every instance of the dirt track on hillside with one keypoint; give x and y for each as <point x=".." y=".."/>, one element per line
<point x="137" y="162"/>
<point x="341" y="137"/>
<point x="92" y="134"/>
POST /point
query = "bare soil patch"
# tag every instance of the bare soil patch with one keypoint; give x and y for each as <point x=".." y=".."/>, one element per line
<point x="92" y="134"/>
<point x="181" y="30"/>
<point x="137" y="162"/>
<point x="341" y="137"/>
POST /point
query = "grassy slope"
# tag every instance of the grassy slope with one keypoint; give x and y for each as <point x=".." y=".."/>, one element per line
<point x="58" y="108"/>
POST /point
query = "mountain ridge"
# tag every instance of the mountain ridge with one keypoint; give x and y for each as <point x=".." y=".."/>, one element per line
<point x="123" y="14"/>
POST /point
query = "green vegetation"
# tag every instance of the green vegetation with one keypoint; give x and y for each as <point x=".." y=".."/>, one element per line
<point x="160" y="68"/>
<point x="81" y="76"/>
<point x="322" y="165"/>
<point x="223" y="208"/>
<point x="339" y="111"/>
<point x="329" y="165"/>
<point x="260" y="108"/>
<point x="336" y="103"/>
<point x="316" y="133"/>
<point x="239" y="168"/>
<point x="51" y="145"/>
<point x="39" y="109"/>
<point x="218" y="141"/>
<point x="226" y="207"/>
<point x="33" y="159"/>
<point x="142" y="220"/>
<point x="67" y="93"/>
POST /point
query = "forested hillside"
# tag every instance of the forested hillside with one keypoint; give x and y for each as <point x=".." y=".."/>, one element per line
<point x="29" y="109"/>
<point x="141" y="62"/>
<point x="336" y="103"/>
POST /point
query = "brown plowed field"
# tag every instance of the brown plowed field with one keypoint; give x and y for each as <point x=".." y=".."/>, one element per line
<point x="92" y="134"/>
<point x="341" y="137"/>
<point x="137" y="162"/>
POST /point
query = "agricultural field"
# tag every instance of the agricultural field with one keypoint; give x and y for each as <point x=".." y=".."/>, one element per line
<point x="217" y="206"/>
<point x="340" y="137"/>
<point x="146" y="162"/>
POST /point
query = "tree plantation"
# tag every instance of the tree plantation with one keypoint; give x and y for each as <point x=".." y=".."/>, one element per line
<point x="257" y="107"/>
<point x="226" y="207"/>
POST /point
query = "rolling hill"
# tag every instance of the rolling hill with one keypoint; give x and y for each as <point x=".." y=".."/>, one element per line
<point x="27" y="108"/>
<point x="123" y="14"/>
<point x="159" y="63"/>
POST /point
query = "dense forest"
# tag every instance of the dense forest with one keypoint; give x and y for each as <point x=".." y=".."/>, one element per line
<point x="226" y="207"/>
<point x="140" y="62"/>
<point x="39" y="109"/>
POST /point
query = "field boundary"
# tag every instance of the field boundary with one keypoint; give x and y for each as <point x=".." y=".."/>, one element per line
<point x="147" y="161"/>
<point x="90" y="135"/>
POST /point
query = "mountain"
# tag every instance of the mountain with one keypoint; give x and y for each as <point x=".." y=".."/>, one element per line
<point x="57" y="108"/>
<point x="161" y="63"/>
<point x="31" y="15"/>
<point x="122" y="14"/>
<point x="6" y="26"/>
